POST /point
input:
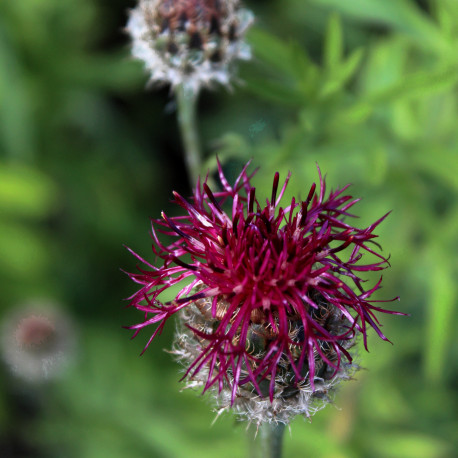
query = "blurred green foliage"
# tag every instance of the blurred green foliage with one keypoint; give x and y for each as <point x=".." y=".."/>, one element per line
<point x="366" y="89"/>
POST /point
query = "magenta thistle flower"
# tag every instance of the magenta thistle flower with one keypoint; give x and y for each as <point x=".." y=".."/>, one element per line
<point x="272" y="298"/>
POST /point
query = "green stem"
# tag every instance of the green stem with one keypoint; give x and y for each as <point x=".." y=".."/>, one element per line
<point x="269" y="441"/>
<point x="187" y="101"/>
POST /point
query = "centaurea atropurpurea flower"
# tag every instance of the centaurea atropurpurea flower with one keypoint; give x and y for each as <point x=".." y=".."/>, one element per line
<point x="269" y="307"/>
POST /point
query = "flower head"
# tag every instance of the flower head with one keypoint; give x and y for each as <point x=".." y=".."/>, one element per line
<point x="270" y="305"/>
<point x="192" y="42"/>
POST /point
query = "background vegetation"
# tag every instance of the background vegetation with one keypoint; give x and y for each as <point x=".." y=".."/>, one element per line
<point x="367" y="89"/>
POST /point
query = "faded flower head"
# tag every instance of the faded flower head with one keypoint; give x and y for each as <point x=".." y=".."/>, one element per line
<point x="272" y="300"/>
<point x="37" y="341"/>
<point x="191" y="42"/>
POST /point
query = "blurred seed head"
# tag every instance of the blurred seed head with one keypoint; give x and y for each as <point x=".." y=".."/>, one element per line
<point x="37" y="342"/>
<point x="190" y="42"/>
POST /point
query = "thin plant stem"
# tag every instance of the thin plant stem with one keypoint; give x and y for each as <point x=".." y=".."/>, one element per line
<point x="186" y="102"/>
<point x="269" y="441"/>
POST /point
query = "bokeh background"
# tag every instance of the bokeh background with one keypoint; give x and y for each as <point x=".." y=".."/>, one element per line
<point x="365" y="88"/>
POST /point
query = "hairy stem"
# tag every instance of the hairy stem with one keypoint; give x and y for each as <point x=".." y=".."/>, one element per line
<point x="187" y="101"/>
<point x="269" y="441"/>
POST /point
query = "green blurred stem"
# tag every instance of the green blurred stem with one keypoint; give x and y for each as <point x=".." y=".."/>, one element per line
<point x="269" y="441"/>
<point x="187" y="102"/>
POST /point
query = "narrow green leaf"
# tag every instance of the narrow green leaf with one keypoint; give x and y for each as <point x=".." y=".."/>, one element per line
<point x="407" y="444"/>
<point x="23" y="251"/>
<point x="402" y="15"/>
<point x="300" y="63"/>
<point x="25" y="192"/>
<point x="275" y="91"/>
<point x="116" y="71"/>
<point x="288" y="62"/>
<point x="355" y="114"/>
<point x="16" y="124"/>
<point x="343" y="73"/>
<point x="443" y="163"/>
<point x="333" y="45"/>
<point x="442" y="297"/>
<point x="446" y="12"/>
<point x="419" y="84"/>
<point x="271" y="50"/>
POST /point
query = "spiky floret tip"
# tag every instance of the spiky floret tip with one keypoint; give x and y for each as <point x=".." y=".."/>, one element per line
<point x="272" y="297"/>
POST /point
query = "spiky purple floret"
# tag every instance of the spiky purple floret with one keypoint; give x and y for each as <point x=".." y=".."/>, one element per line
<point x="276" y="259"/>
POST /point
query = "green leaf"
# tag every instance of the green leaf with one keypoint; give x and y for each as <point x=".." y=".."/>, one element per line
<point x="22" y="251"/>
<point x="442" y="299"/>
<point x="304" y="70"/>
<point x="16" y="123"/>
<point x="355" y="114"/>
<point x="401" y="15"/>
<point x="116" y="71"/>
<point x="420" y="84"/>
<point x="271" y="51"/>
<point x="25" y="192"/>
<point x="275" y="91"/>
<point x="333" y="45"/>
<point x="446" y="12"/>
<point x="295" y="77"/>
<point x="343" y="73"/>
<point x="228" y="146"/>
<point x="440" y="162"/>
<point x="410" y="445"/>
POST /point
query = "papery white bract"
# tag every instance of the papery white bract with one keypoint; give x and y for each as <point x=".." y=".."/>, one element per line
<point x="189" y="42"/>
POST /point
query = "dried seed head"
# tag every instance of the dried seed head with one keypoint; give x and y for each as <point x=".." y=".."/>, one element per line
<point x="35" y="331"/>
<point x="292" y="393"/>
<point x="37" y="341"/>
<point x="192" y="42"/>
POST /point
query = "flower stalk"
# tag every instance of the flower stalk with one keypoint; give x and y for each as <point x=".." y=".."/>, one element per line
<point x="189" y="45"/>
<point x="186" y="99"/>
<point x="269" y="441"/>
